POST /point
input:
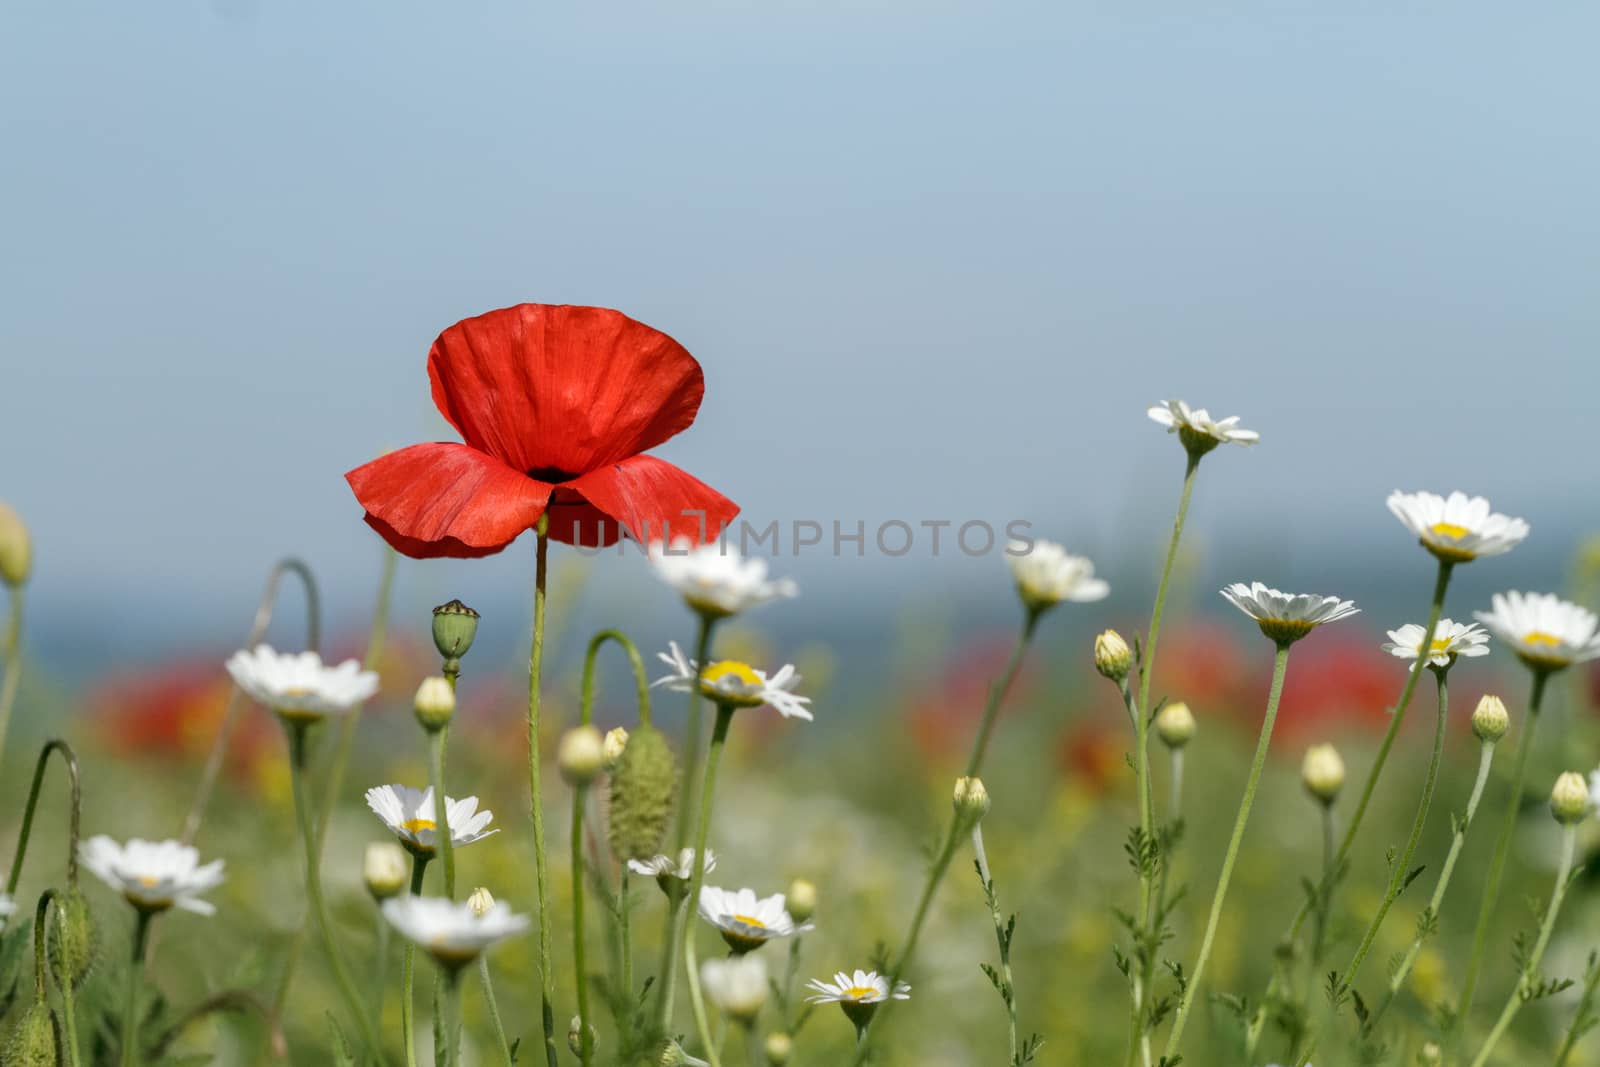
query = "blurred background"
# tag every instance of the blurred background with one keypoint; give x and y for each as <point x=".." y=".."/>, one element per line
<point x="936" y="259"/>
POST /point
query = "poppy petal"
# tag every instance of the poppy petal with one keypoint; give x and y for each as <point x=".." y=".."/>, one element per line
<point x="557" y="391"/>
<point x="447" y="499"/>
<point x="652" y="500"/>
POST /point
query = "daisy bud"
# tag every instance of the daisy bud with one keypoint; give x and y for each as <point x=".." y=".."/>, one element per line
<point x="581" y="755"/>
<point x="481" y="901"/>
<point x="435" y="703"/>
<point x="642" y="787"/>
<point x="801" y="900"/>
<point x="33" y="1042"/>
<point x="971" y="800"/>
<point x="454" y="627"/>
<point x="1175" y="724"/>
<point x="16" y="548"/>
<point x="1490" y="720"/>
<point x="616" y="741"/>
<point x="1430" y="1056"/>
<point x="1569" y="800"/>
<point x="672" y="1055"/>
<point x="72" y="946"/>
<point x="384" y="870"/>
<point x="779" y="1048"/>
<point x="1322" y="773"/>
<point x="1112" y="656"/>
<point x="575" y="1035"/>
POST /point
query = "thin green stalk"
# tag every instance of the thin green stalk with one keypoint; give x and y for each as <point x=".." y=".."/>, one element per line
<point x="74" y="785"/>
<point x="1148" y="658"/>
<point x="408" y="970"/>
<point x="752" y="1038"/>
<point x="302" y="801"/>
<point x="12" y="650"/>
<point x="130" y="998"/>
<point x="1583" y="1019"/>
<point x="445" y="843"/>
<point x="547" y="977"/>
<point x="380" y="964"/>
<point x="997" y="692"/>
<point x="1457" y="841"/>
<point x="1530" y="969"/>
<point x="452" y="1015"/>
<point x="1145" y="963"/>
<point x="1279" y="668"/>
<point x="719" y="737"/>
<point x="579" y="964"/>
<point x="1502" y="847"/>
<point x="625" y="932"/>
<point x="500" y="1043"/>
<point x="1002" y="936"/>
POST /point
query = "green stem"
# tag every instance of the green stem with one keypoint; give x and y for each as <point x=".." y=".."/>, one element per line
<point x="1279" y="668"/>
<point x="547" y="977"/>
<point x="442" y="836"/>
<point x="408" y="970"/>
<point x="12" y="651"/>
<point x="641" y="679"/>
<point x="452" y="1016"/>
<point x="500" y="1043"/>
<point x="579" y="964"/>
<point x="74" y="785"/>
<point x="380" y="964"/>
<point x="1147" y="660"/>
<point x="719" y="737"/>
<point x="1583" y="1018"/>
<point x="130" y="999"/>
<point x="1457" y="841"/>
<point x="1497" y="865"/>
<point x="1008" y="992"/>
<point x="1145" y="952"/>
<point x="625" y="932"/>
<point x="319" y="909"/>
<point x="1530" y="970"/>
<point x="997" y="692"/>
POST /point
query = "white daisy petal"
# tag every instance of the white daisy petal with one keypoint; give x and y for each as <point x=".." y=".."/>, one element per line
<point x="411" y="816"/>
<point x="1047" y="574"/>
<point x="731" y="682"/>
<point x="1450" y="640"/>
<point x="1287" y="617"/>
<point x="1457" y="529"/>
<point x="152" y="875"/>
<point x="300" y="687"/>
<point x="715" y="580"/>
<point x="452" y="933"/>
<point x="1544" y="631"/>
<point x="745" y="921"/>
<point x="1198" y="431"/>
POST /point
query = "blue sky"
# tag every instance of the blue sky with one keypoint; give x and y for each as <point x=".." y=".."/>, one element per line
<point x="936" y="258"/>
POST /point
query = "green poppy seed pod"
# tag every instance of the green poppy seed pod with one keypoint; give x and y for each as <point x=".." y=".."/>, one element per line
<point x="1322" y="773"/>
<point x="435" y="703"/>
<point x="1175" y="724"/>
<point x="581" y="756"/>
<point x="801" y="900"/>
<point x="616" y="741"/>
<point x="642" y="789"/>
<point x="454" y="627"/>
<point x="779" y="1047"/>
<point x="1569" y="800"/>
<point x="33" y="1041"/>
<point x="971" y="800"/>
<point x="1112" y="656"/>
<point x="384" y="869"/>
<point x="73" y="940"/>
<point x="16" y="548"/>
<point x="1490" y="721"/>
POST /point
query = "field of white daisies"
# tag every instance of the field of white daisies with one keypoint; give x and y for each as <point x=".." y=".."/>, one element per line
<point x="647" y="864"/>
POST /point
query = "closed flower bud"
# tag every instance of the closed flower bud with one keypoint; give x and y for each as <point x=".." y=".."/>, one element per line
<point x="384" y="870"/>
<point x="1322" y="773"/>
<point x="581" y="755"/>
<point x="1569" y="800"/>
<point x="1489" y="719"/>
<point x="1431" y="1055"/>
<point x="801" y="900"/>
<point x="971" y="800"/>
<point x="1175" y="724"/>
<point x="779" y="1048"/>
<point x="16" y="548"/>
<point x="616" y="741"/>
<point x="1112" y="656"/>
<point x="454" y="627"/>
<point x="33" y="1041"/>
<point x="435" y="703"/>
<point x="671" y="1054"/>
<point x="481" y="901"/>
<point x="642" y="787"/>
<point x="73" y="942"/>
<point x="576" y="1033"/>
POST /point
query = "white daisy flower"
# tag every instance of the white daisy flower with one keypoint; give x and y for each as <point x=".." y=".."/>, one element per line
<point x="714" y="579"/>
<point x="1458" y="528"/>
<point x="746" y="921"/>
<point x="300" y="687"/>
<point x="411" y="816"/>
<point x="736" y="985"/>
<point x="153" y="875"/>
<point x="1546" y="632"/>
<point x="7" y="908"/>
<point x="662" y="868"/>
<point x="859" y="994"/>
<point x="1286" y="617"/>
<point x="1198" y="431"/>
<point x="1450" y="639"/>
<point x="1046" y="574"/>
<point x="452" y="933"/>
<point x="738" y="684"/>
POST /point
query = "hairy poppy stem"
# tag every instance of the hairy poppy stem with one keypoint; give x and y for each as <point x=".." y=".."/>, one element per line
<point x="441" y="813"/>
<point x="70" y="759"/>
<point x="12" y="652"/>
<point x="547" y="977"/>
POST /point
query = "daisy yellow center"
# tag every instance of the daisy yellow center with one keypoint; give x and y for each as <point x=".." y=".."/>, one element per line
<point x="1441" y="644"/>
<point x="149" y="881"/>
<point x="750" y="920"/>
<point x="1449" y="529"/>
<point x="730" y="668"/>
<point x="1539" y="637"/>
<point x="418" y="825"/>
<point x="859" y="992"/>
<point x="297" y="691"/>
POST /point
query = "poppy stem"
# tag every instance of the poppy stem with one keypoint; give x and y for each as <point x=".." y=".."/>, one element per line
<point x="547" y="977"/>
<point x="12" y="651"/>
<point x="70" y="759"/>
<point x="579" y="961"/>
<point x="441" y="813"/>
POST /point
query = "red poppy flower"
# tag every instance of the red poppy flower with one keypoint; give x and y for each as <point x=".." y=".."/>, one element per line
<point x="555" y="405"/>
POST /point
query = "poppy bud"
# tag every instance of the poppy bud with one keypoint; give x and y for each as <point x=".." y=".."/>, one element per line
<point x="1489" y="719"/>
<point x="33" y="1041"/>
<point x="1569" y="800"/>
<point x="383" y="869"/>
<point x="72" y="946"/>
<point x="779" y="1048"/>
<point x="971" y="800"/>
<point x="1112" y="656"/>
<point x="1175" y="724"/>
<point x="581" y="755"/>
<point x="435" y="703"/>
<point x="454" y="627"/>
<point x="616" y="741"/>
<point x="1322" y="773"/>
<point x="481" y="901"/>
<point x="16" y="548"/>
<point x="642" y="788"/>
<point x="801" y="900"/>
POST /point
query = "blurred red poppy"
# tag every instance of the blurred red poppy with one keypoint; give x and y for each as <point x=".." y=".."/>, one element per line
<point x="1338" y="683"/>
<point x="555" y="405"/>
